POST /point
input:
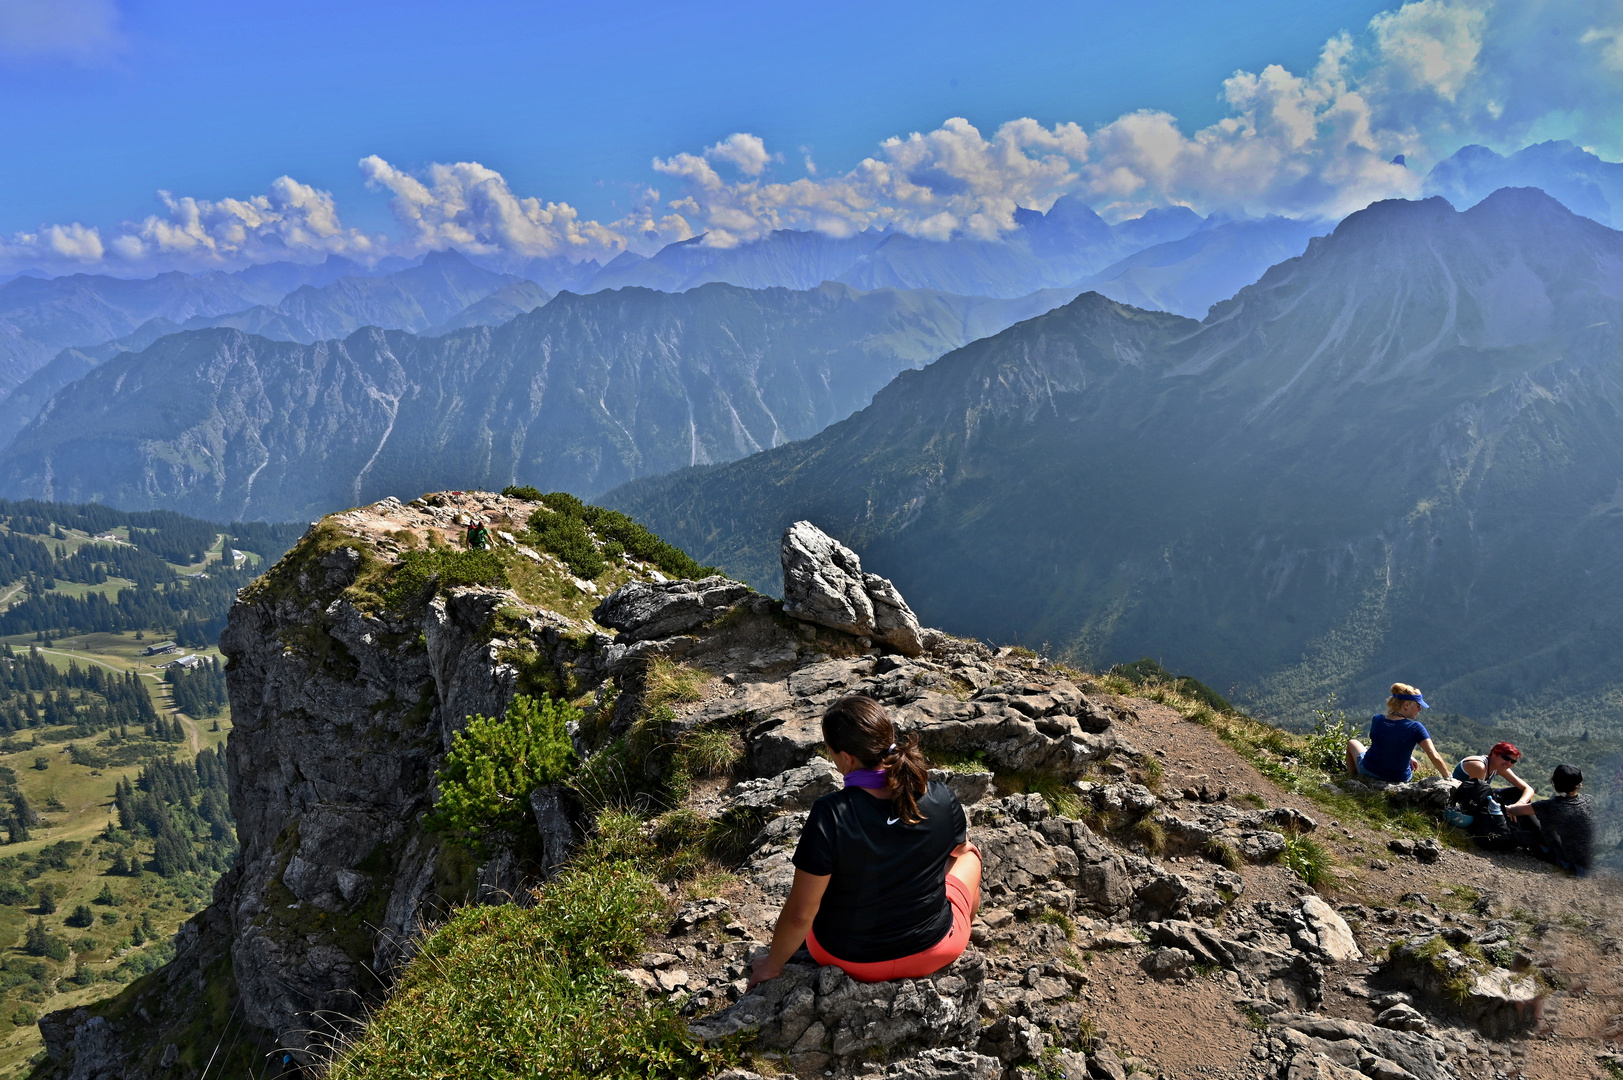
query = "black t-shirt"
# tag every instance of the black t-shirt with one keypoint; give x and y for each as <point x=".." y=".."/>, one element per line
<point x="887" y="893"/>
<point x="1568" y="822"/>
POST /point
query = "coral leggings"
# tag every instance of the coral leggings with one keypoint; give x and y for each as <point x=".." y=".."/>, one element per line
<point x="919" y="964"/>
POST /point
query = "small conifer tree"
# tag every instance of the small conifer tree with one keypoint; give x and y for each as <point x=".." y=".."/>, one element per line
<point x="495" y="763"/>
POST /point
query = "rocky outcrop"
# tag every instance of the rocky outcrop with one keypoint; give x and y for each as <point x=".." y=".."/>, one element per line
<point x="643" y="610"/>
<point x="823" y="583"/>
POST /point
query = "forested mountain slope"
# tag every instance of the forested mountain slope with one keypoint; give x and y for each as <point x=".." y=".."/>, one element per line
<point x="581" y="394"/>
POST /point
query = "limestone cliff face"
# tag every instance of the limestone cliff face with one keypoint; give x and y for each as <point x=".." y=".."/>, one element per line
<point x="343" y="708"/>
<point x="342" y="715"/>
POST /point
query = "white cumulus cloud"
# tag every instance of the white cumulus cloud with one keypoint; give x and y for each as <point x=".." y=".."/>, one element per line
<point x="471" y="208"/>
<point x="291" y="221"/>
<point x="1419" y="80"/>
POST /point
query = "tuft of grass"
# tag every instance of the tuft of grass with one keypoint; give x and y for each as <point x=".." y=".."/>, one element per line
<point x="666" y="682"/>
<point x="1148" y="831"/>
<point x="1254" y="1019"/>
<point x="1307" y="859"/>
<point x="618" y="836"/>
<point x="1150" y="772"/>
<point x="711" y="880"/>
<point x="731" y="835"/>
<point x="531" y="991"/>
<point x="1056" y="917"/>
<point x="709" y="751"/>
<point x="1223" y="853"/>
<point x="973" y="762"/>
<point x="680" y="837"/>
<point x="1055" y="790"/>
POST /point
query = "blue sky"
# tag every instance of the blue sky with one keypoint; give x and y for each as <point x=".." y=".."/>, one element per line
<point x="107" y="103"/>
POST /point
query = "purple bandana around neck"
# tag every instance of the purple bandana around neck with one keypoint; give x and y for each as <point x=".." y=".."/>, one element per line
<point x="866" y="778"/>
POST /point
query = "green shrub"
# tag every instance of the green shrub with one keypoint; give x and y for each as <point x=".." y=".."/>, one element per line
<point x="495" y="763"/>
<point x="1147" y="672"/>
<point x="82" y="917"/>
<point x="564" y="533"/>
<point x="1327" y="743"/>
<point x="531" y="992"/>
<point x="448" y="567"/>
<point x="41" y="942"/>
<point x="566" y="537"/>
<point x="528" y="492"/>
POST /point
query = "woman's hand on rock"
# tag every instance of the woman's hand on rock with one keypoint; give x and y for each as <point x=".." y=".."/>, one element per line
<point x="763" y="970"/>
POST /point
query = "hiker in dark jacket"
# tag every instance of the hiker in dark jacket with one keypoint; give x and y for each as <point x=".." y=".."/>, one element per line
<point x="478" y="535"/>
<point x="1565" y="824"/>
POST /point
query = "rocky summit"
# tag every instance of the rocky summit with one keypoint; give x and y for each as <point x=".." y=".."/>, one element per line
<point x="1153" y="902"/>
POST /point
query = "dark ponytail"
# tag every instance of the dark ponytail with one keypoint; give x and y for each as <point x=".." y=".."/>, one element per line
<point x="858" y="725"/>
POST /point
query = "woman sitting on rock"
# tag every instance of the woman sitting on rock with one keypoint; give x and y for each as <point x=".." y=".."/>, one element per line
<point x="885" y="882"/>
<point x="1392" y="741"/>
<point x="1496" y="762"/>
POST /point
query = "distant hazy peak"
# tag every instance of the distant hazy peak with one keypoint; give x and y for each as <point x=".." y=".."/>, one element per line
<point x="1577" y="178"/>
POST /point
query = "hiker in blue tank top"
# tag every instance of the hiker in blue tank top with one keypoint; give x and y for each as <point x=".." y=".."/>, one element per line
<point x="1392" y="741"/>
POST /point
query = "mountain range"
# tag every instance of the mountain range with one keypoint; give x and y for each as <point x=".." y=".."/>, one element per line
<point x="1575" y="177"/>
<point x="1396" y="454"/>
<point x="580" y="394"/>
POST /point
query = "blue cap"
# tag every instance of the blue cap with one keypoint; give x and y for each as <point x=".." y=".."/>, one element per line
<point x="1413" y="697"/>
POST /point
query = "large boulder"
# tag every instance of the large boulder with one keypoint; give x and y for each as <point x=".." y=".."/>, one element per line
<point x="823" y="583"/>
<point x="645" y="610"/>
<point x="1323" y="930"/>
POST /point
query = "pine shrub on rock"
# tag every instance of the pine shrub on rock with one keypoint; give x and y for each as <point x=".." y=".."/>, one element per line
<point x="493" y="766"/>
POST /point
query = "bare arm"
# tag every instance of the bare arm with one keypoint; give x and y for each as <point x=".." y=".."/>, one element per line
<point x="794" y="923"/>
<point x="1435" y="758"/>
<point x="1526" y="788"/>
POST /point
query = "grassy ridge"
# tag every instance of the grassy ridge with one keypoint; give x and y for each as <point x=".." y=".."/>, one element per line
<point x="531" y="991"/>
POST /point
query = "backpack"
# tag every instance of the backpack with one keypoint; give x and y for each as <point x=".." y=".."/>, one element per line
<point x="1474" y="801"/>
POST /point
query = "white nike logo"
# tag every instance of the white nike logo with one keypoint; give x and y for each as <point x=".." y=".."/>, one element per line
<point x="892" y="821"/>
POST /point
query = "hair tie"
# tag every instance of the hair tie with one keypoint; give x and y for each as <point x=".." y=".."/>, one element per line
<point x="891" y="750"/>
